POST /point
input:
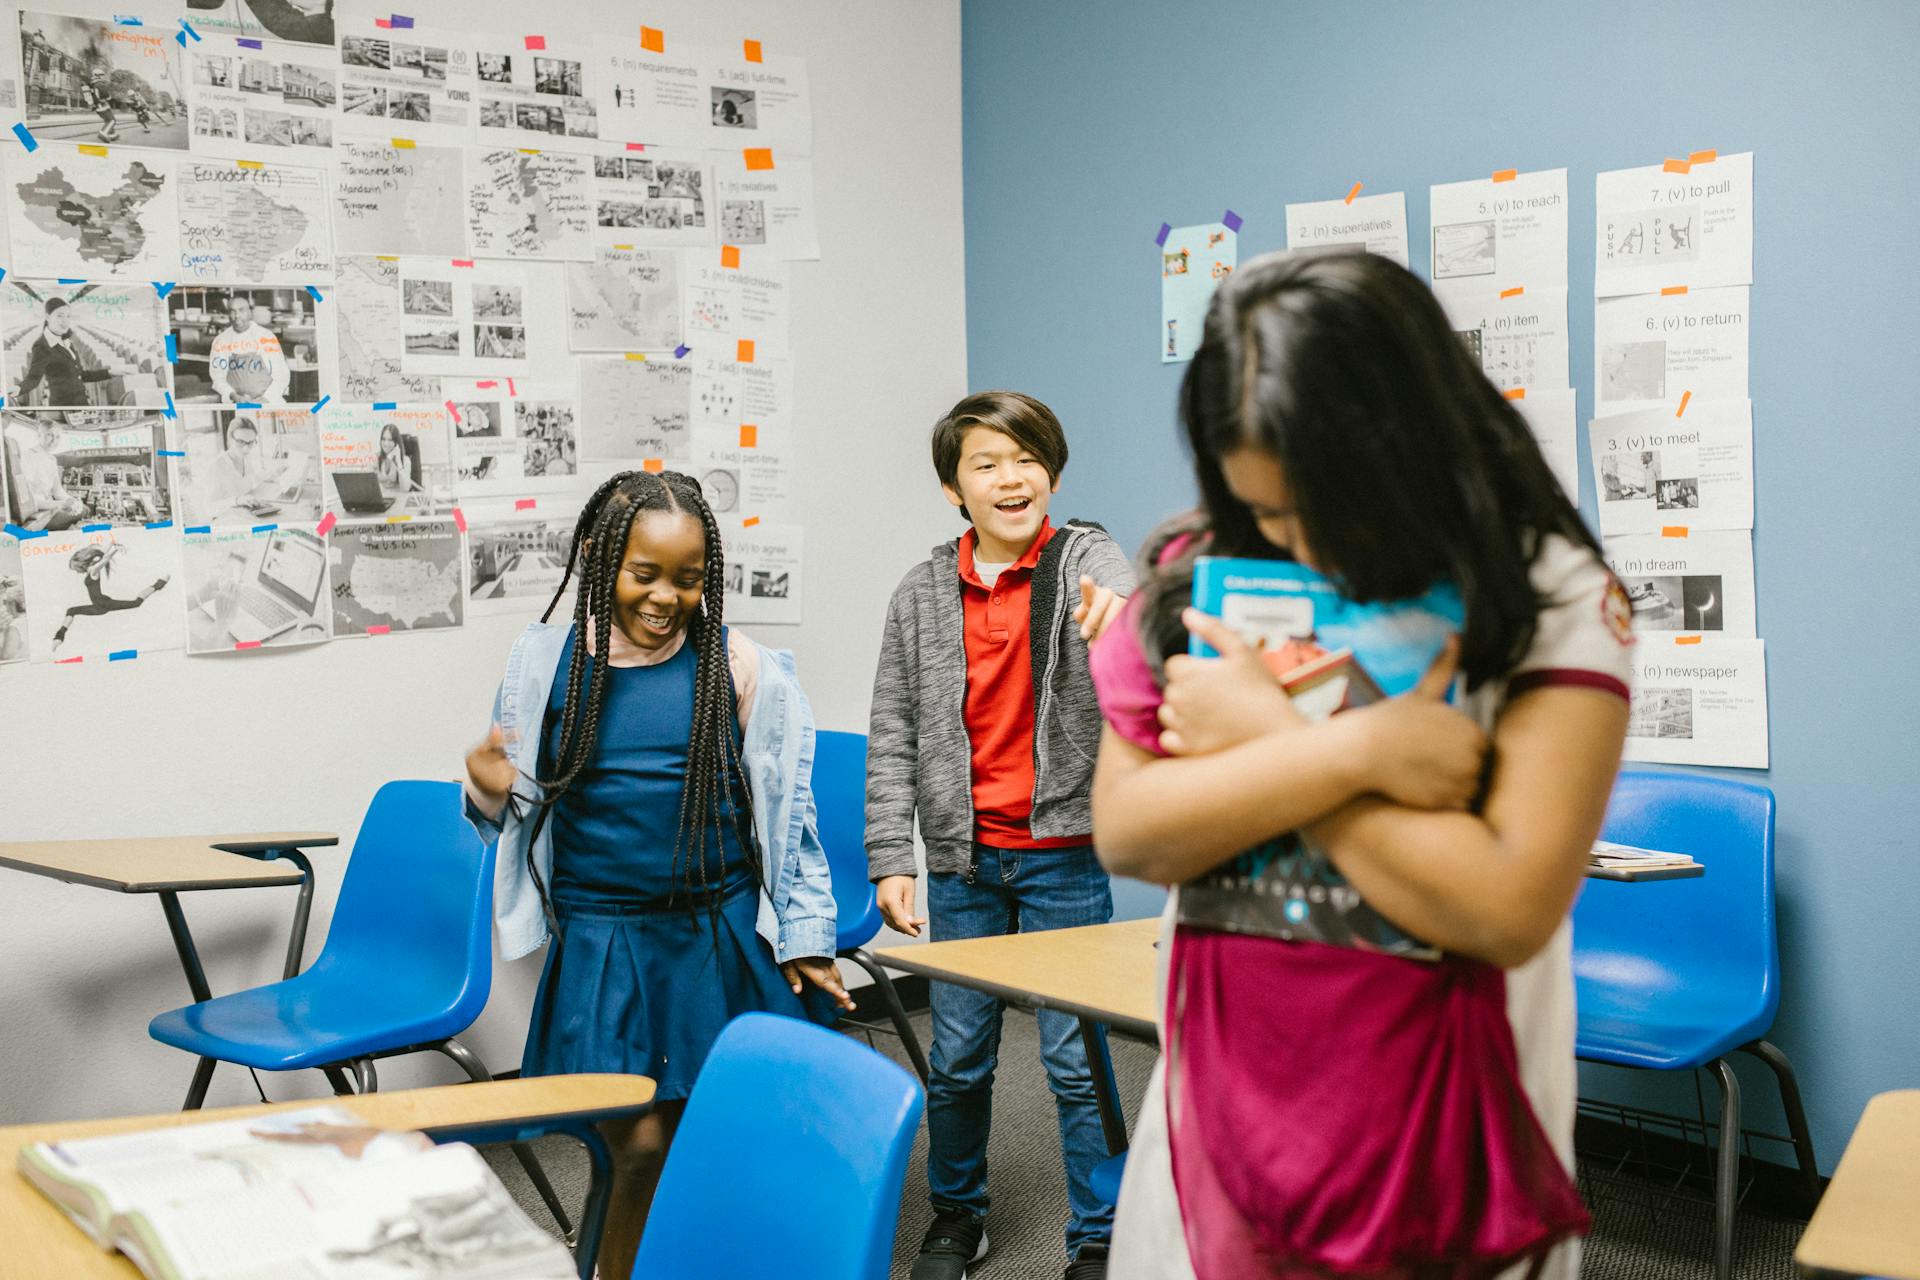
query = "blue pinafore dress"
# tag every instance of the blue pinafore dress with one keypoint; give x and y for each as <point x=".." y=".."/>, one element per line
<point x="641" y="978"/>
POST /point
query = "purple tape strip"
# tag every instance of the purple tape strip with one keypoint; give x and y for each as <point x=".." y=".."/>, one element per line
<point x="401" y="22"/>
<point x="1166" y="229"/>
<point x="680" y="352"/>
<point x="1232" y="221"/>
<point x="248" y="44"/>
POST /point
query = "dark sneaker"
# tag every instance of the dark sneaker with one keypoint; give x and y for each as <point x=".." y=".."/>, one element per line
<point x="1088" y="1264"/>
<point x="955" y="1241"/>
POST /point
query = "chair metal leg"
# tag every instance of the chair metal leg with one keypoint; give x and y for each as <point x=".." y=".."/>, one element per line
<point x="197" y="1091"/>
<point x="895" y="1010"/>
<point x="338" y="1079"/>
<point x="1726" y="1174"/>
<point x="364" y="1078"/>
<point x="477" y="1072"/>
<point x="593" y="1216"/>
<point x="1796" y="1116"/>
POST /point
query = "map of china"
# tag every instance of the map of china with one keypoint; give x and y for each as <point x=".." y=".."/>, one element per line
<point x="106" y="227"/>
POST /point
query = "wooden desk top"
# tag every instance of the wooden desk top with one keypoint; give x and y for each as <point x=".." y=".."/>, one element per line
<point x="1103" y="971"/>
<point x="40" y="1241"/>
<point x="156" y="864"/>
<point x="1868" y="1223"/>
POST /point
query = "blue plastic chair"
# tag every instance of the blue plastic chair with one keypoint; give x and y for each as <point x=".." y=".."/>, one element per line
<point x="840" y="799"/>
<point x="794" y="1138"/>
<point x="1674" y="975"/>
<point x="408" y="962"/>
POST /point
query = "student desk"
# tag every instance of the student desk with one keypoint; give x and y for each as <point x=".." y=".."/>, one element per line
<point x="40" y="1241"/>
<point x="172" y="865"/>
<point x="1100" y="974"/>
<point x="1867" y="1224"/>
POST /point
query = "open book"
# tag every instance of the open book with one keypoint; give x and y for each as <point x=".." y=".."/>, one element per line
<point x="313" y="1193"/>
<point x="1330" y="654"/>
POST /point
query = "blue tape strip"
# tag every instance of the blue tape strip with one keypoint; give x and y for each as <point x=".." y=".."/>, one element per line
<point x="173" y="453"/>
<point x="317" y="295"/>
<point x="173" y="348"/>
<point x="384" y="404"/>
<point x="163" y="288"/>
<point x="320" y="404"/>
<point x="3" y="273"/>
<point x="26" y="137"/>
<point x="123" y="655"/>
<point x="21" y="534"/>
<point x="186" y="29"/>
<point x="198" y="528"/>
<point x="159" y="524"/>
<point x="71" y="280"/>
<point x="98" y="526"/>
<point x="170" y="411"/>
<point x="265" y="528"/>
<point x="126" y="21"/>
<point x="246" y="404"/>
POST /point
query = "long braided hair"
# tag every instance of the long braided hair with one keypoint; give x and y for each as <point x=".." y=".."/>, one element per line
<point x="716" y="787"/>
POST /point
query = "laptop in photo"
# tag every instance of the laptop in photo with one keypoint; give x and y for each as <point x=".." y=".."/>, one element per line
<point x="285" y="592"/>
<point x="361" y="494"/>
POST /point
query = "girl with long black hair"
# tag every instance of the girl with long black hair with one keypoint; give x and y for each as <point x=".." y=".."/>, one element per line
<point x="649" y="772"/>
<point x="1329" y="1110"/>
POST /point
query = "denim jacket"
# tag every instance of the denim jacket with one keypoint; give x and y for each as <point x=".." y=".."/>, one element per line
<point x="796" y="900"/>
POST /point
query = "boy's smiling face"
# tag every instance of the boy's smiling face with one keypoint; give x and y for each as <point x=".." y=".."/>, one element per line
<point x="1004" y="489"/>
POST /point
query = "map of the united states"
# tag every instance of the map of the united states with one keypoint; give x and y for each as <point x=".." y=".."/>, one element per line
<point x="104" y="228"/>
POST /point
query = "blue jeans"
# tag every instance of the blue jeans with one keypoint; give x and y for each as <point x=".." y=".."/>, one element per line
<point x="1011" y="891"/>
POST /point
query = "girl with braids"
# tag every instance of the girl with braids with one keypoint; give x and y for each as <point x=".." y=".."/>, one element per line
<point x="649" y="774"/>
<point x="1326" y="1110"/>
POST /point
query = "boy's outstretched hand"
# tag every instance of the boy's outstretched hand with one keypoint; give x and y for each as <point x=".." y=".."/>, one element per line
<point x="822" y="973"/>
<point x="895" y="897"/>
<point x="1098" y="606"/>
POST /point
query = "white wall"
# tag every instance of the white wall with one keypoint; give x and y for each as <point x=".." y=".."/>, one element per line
<point x="166" y="745"/>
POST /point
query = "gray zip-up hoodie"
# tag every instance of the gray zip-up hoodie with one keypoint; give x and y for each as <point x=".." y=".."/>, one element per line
<point x="918" y="754"/>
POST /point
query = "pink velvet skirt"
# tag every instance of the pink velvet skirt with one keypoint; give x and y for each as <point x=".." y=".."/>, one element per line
<point x="1342" y="1113"/>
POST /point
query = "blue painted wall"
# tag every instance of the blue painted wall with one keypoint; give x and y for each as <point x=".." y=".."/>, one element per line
<point x="1088" y="124"/>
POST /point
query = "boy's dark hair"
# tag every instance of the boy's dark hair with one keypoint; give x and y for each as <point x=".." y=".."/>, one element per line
<point x="716" y="785"/>
<point x="1406" y="466"/>
<point x="1021" y="418"/>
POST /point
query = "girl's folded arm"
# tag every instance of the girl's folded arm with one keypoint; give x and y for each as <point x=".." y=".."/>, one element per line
<point x="1169" y="819"/>
<point x="1494" y="886"/>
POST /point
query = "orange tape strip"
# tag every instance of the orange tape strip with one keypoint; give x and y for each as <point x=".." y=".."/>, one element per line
<point x="749" y="436"/>
<point x="751" y="49"/>
<point x="1703" y="157"/>
<point x="743" y="352"/>
<point x="1673" y="291"/>
<point x="1514" y="292"/>
<point x="1676" y="166"/>
<point x="1356" y="191"/>
<point x="653" y="464"/>
<point x="1505" y="175"/>
<point x="1674" y="531"/>
<point x="730" y="256"/>
<point x="1686" y="639"/>
<point x="653" y="40"/>
<point x="1515" y="393"/>
<point x="758" y="157"/>
<point x="749" y="522"/>
<point x="1684" y="397"/>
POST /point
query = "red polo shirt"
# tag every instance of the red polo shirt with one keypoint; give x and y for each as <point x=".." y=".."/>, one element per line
<point x="999" y="707"/>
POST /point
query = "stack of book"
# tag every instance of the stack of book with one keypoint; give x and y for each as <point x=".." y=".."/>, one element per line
<point x="1612" y="861"/>
<point x="313" y="1193"/>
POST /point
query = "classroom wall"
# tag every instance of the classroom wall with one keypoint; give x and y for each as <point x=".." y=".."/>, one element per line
<point x="301" y="739"/>
<point x="1089" y="125"/>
